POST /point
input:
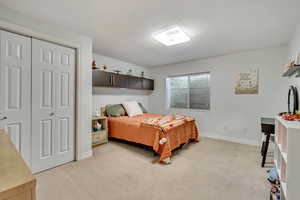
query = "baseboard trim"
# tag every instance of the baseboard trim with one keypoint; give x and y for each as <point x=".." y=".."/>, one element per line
<point x="230" y="139"/>
<point x="86" y="155"/>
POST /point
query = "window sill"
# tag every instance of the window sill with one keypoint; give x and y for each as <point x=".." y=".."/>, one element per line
<point x="188" y="109"/>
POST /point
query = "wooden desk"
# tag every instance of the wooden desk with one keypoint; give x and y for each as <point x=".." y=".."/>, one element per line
<point x="268" y="128"/>
<point x="267" y="125"/>
<point x="16" y="179"/>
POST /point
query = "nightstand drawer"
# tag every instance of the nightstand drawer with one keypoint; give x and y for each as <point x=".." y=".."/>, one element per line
<point x="99" y="136"/>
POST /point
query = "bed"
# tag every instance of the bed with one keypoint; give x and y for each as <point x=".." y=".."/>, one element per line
<point x="162" y="139"/>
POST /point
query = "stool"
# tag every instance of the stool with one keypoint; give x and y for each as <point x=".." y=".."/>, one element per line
<point x="267" y="128"/>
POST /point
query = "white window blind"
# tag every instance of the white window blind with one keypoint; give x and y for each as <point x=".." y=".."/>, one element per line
<point x="189" y="91"/>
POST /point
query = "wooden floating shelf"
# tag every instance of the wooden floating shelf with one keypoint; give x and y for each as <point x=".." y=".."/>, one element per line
<point x="292" y="70"/>
<point x="114" y="80"/>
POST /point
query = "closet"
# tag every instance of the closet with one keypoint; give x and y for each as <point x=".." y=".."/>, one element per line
<point x="37" y="99"/>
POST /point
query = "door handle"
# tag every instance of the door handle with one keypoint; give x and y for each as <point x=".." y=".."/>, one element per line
<point x="3" y="118"/>
<point x="52" y="114"/>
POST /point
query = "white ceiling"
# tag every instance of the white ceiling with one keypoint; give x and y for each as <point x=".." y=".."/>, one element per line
<point x="123" y="28"/>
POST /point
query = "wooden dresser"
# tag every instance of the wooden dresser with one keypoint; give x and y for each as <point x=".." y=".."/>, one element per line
<point x="16" y="180"/>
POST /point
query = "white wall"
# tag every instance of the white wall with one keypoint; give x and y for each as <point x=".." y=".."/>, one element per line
<point x="294" y="49"/>
<point x="115" y="64"/>
<point x="232" y="117"/>
<point x="10" y="20"/>
<point x="294" y="44"/>
<point x="102" y="97"/>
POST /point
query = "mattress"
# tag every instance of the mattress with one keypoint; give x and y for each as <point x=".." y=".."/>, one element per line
<point x="132" y="129"/>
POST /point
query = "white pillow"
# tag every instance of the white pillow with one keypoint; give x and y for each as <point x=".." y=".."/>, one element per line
<point x="132" y="108"/>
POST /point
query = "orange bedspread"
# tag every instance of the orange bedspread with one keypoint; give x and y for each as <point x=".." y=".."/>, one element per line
<point x="131" y="129"/>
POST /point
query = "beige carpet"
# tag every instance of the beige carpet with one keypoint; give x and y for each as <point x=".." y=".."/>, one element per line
<point x="209" y="170"/>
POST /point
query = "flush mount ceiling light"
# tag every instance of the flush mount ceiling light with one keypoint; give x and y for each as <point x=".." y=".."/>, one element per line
<point x="172" y="36"/>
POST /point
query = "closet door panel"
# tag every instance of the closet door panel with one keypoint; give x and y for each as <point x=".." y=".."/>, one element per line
<point x="14" y="131"/>
<point x="53" y="105"/>
<point x="13" y="87"/>
<point x="44" y="83"/>
<point x="15" y="94"/>
<point x="47" y="89"/>
<point x="64" y="134"/>
<point x="65" y="113"/>
<point x="46" y="131"/>
<point x="64" y="89"/>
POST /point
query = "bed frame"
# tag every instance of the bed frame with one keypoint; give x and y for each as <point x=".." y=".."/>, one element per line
<point x="150" y="148"/>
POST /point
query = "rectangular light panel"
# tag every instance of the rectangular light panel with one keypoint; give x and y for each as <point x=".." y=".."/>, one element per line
<point x="172" y="36"/>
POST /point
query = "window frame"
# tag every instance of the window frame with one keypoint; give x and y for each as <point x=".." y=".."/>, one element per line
<point x="168" y="94"/>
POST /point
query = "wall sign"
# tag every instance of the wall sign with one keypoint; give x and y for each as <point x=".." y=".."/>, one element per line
<point x="247" y="82"/>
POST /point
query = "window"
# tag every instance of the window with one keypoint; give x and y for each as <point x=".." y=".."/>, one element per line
<point x="189" y="91"/>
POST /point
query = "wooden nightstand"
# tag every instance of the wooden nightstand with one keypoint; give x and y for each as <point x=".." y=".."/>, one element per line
<point x="99" y="137"/>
